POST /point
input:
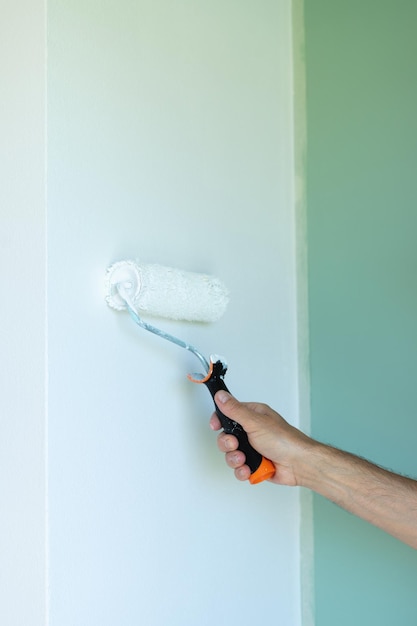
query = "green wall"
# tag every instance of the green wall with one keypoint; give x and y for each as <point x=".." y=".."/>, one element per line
<point x="361" y="80"/>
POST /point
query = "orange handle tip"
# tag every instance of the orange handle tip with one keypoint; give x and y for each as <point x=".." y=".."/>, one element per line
<point x="264" y="472"/>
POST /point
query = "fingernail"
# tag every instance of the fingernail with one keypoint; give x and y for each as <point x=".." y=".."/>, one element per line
<point x="222" y="397"/>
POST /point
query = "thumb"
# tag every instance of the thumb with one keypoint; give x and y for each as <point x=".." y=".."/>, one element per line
<point x="233" y="409"/>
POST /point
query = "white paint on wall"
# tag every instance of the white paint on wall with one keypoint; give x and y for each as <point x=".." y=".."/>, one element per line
<point x="22" y="314"/>
<point x="169" y="138"/>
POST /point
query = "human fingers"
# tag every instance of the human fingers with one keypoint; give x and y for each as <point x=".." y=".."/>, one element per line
<point x="243" y="472"/>
<point x="227" y="443"/>
<point x="236" y="460"/>
<point x="215" y="422"/>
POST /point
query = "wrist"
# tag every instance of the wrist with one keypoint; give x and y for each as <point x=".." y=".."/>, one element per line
<point x="315" y="465"/>
<point x="335" y="474"/>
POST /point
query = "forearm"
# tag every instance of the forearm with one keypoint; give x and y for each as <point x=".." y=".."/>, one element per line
<point x="382" y="498"/>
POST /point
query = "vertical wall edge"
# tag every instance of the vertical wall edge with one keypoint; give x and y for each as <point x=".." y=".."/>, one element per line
<point x="300" y="200"/>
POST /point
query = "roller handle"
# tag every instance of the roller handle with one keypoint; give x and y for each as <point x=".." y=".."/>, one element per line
<point x="261" y="468"/>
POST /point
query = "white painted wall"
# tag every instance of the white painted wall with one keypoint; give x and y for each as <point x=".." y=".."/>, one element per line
<point x="22" y="314"/>
<point x="169" y="137"/>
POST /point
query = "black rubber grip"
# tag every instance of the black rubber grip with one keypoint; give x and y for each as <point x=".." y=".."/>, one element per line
<point x="214" y="384"/>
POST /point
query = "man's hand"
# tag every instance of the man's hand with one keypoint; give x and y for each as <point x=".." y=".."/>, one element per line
<point x="268" y="433"/>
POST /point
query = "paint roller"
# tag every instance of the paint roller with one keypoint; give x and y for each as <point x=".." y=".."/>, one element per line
<point x="160" y="291"/>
